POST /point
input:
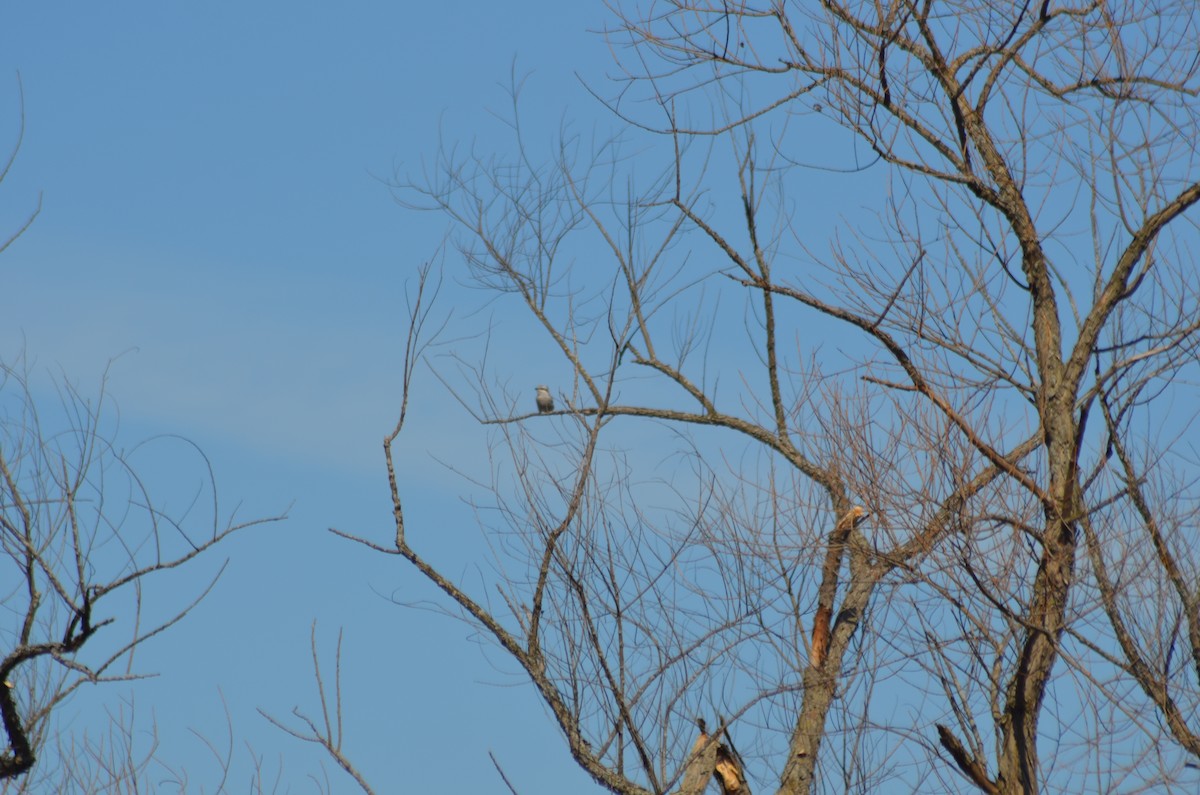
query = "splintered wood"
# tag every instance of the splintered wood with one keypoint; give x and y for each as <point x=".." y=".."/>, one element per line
<point x="820" y="636"/>
<point x="828" y="589"/>
<point x="709" y="757"/>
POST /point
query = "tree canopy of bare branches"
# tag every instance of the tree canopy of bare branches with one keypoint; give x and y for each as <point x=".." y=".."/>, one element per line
<point x="908" y="500"/>
<point x="86" y="548"/>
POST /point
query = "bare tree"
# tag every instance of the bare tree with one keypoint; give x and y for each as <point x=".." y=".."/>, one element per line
<point x="86" y="552"/>
<point x="930" y="511"/>
<point x="85" y="547"/>
<point x="328" y="732"/>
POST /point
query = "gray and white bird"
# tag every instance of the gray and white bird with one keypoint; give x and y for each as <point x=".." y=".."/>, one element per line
<point x="545" y="402"/>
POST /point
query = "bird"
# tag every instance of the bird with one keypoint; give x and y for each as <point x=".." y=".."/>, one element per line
<point x="545" y="402"/>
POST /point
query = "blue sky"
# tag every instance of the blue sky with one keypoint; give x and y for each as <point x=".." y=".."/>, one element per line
<point x="218" y="234"/>
<point x="216" y="220"/>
